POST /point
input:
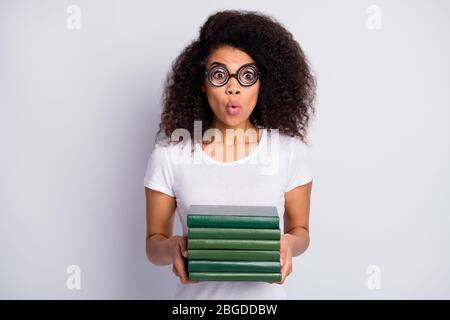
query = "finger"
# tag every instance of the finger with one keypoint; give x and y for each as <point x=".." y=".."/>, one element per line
<point x="187" y="274"/>
<point x="174" y="270"/>
<point x="193" y="281"/>
<point x="183" y="246"/>
<point x="282" y="279"/>
<point x="284" y="269"/>
<point x="290" y="268"/>
<point x="181" y="268"/>
<point x="282" y="259"/>
<point x="281" y="266"/>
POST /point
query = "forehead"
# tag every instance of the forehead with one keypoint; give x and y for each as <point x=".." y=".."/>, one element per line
<point x="233" y="58"/>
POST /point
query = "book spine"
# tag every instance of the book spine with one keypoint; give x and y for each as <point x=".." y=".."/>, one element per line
<point x="233" y="266"/>
<point x="235" y="276"/>
<point x="232" y="221"/>
<point x="237" y="255"/>
<point x="234" y="233"/>
<point x="233" y="244"/>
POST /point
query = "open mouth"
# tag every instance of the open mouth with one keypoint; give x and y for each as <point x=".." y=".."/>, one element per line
<point x="233" y="109"/>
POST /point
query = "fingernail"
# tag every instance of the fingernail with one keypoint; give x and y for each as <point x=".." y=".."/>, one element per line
<point x="185" y="253"/>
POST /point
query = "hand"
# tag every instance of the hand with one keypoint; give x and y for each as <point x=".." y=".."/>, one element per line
<point x="179" y="255"/>
<point x="285" y="256"/>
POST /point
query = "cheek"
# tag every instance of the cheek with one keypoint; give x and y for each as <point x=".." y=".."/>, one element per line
<point x="255" y="88"/>
<point x="253" y="94"/>
<point x="214" y="96"/>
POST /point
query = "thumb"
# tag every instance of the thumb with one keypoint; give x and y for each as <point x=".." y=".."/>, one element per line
<point x="183" y="246"/>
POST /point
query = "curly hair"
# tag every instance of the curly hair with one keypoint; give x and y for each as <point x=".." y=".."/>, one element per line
<point x="287" y="90"/>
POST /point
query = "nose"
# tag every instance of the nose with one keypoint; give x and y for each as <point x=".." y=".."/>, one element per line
<point x="233" y="86"/>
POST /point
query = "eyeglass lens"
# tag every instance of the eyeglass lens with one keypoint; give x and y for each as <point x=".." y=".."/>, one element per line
<point x="247" y="75"/>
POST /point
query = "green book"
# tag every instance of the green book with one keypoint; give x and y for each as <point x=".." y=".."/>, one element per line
<point x="239" y="255"/>
<point x="235" y="276"/>
<point x="227" y="216"/>
<point x="233" y="266"/>
<point x="233" y="244"/>
<point x="232" y="221"/>
<point x="234" y="233"/>
<point x="239" y="210"/>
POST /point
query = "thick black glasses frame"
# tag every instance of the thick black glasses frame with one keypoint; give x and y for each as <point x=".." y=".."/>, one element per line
<point x="235" y="75"/>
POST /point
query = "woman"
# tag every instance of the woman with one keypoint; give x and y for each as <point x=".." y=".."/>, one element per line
<point x="244" y="73"/>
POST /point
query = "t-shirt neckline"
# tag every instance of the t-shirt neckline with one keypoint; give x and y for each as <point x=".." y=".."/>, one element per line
<point x="241" y="160"/>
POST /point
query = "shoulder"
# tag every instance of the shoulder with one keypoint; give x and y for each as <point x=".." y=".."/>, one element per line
<point x="297" y="146"/>
<point x="160" y="152"/>
<point x="287" y="143"/>
<point x="170" y="153"/>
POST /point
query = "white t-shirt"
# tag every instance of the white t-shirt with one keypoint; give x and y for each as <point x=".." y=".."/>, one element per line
<point x="278" y="164"/>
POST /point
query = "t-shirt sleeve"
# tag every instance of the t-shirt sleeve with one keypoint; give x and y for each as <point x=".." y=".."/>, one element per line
<point x="159" y="174"/>
<point x="299" y="167"/>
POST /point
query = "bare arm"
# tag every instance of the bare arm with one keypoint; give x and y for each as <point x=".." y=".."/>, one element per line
<point x="296" y="217"/>
<point x="160" y="215"/>
<point x="295" y="239"/>
<point x="162" y="248"/>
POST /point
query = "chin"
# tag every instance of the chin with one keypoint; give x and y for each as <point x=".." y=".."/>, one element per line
<point x="232" y="122"/>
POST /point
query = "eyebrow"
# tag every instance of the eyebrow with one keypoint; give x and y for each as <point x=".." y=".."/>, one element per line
<point x="216" y="62"/>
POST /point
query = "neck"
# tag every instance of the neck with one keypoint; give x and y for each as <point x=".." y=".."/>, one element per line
<point x="231" y="136"/>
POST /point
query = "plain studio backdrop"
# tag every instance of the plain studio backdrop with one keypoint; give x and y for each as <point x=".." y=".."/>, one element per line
<point x="80" y="109"/>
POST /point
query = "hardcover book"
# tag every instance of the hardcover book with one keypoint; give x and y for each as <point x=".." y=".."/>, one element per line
<point x="233" y="243"/>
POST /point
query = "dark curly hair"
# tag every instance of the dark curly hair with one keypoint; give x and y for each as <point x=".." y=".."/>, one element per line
<point x="287" y="90"/>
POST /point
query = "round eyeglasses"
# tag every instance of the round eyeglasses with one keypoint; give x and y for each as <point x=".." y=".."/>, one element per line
<point x="218" y="75"/>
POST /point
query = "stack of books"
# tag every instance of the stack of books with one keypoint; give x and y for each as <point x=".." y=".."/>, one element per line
<point x="233" y="243"/>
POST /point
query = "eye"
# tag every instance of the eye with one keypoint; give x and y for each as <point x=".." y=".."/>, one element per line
<point x="248" y="75"/>
<point x="219" y="74"/>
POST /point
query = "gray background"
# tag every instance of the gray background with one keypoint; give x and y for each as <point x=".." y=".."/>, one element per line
<point x="80" y="108"/>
